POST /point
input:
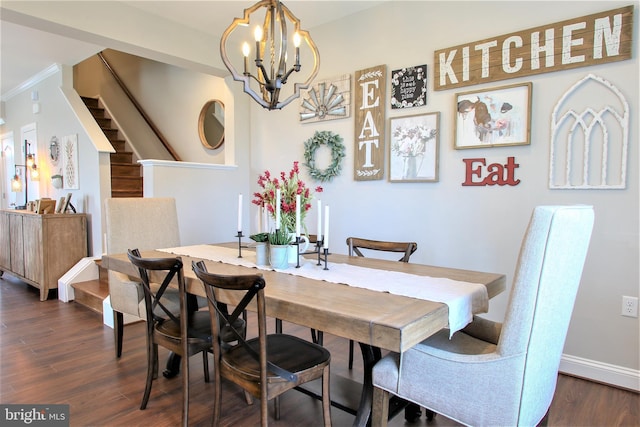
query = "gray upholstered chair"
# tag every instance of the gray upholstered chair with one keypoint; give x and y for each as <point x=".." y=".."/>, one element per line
<point x="143" y="223"/>
<point x="501" y="373"/>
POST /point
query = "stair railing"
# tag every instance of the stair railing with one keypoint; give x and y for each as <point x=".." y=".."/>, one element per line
<point x="144" y="115"/>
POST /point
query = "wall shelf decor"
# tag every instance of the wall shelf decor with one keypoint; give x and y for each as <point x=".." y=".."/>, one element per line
<point x="589" y="137"/>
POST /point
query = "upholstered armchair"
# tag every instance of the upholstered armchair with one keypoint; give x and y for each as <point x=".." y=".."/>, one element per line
<point x="143" y="223"/>
<point x="501" y="373"/>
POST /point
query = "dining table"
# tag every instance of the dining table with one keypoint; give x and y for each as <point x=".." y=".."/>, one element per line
<point x="377" y="320"/>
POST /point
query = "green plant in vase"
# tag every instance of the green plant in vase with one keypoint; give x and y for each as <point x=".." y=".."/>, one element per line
<point x="280" y="237"/>
<point x="260" y="237"/>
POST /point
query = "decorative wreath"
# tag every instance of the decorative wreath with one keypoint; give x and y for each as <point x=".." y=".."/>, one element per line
<point x="334" y="142"/>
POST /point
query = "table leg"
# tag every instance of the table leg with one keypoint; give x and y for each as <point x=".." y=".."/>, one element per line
<point x="370" y="355"/>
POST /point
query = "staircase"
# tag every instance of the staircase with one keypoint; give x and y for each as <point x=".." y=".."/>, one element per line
<point x="91" y="293"/>
<point x="126" y="179"/>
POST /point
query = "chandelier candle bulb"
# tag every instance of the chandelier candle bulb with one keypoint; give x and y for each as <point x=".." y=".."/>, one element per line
<point x="296" y="43"/>
<point x="245" y="51"/>
<point x="258" y="35"/>
<point x="326" y="227"/>
<point x="239" y="213"/>
<point x="297" y="215"/>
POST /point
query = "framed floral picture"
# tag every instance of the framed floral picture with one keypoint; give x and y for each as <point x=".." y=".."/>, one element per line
<point x="413" y="148"/>
<point x="493" y="117"/>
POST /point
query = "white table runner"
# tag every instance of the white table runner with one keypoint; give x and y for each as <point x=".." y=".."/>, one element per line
<point x="464" y="299"/>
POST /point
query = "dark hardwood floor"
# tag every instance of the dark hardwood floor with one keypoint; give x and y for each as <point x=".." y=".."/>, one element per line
<point x="57" y="353"/>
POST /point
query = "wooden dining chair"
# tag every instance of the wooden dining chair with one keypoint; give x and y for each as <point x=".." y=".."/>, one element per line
<point x="265" y="366"/>
<point x="356" y="245"/>
<point x="185" y="334"/>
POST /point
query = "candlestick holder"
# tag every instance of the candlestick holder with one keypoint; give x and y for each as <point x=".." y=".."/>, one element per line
<point x="320" y="249"/>
<point x="239" y="236"/>
<point x="297" y="243"/>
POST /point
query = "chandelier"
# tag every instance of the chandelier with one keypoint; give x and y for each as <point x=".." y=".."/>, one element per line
<point x="277" y="39"/>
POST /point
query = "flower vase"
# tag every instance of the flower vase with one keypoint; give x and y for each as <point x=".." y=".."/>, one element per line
<point x="293" y="248"/>
<point x="278" y="256"/>
<point x="410" y="169"/>
<point x="262" y="253"/>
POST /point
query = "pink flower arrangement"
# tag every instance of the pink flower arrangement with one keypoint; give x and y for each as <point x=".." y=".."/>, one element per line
<point x="290" y="186"/>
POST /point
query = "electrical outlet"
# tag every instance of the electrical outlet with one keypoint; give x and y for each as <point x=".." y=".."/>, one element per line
<point x="630" y="306"/>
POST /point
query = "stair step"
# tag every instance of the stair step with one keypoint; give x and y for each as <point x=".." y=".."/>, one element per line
<point x="124" y="157"/>
<point x="125" y="169"/>
<point x="90" y="102"/>
<point x="126" y="182"/>
<point x="110" y="133"/>
<point x="103" y="122"/>
<point x="96" y="112"/>
<point x="118" y="145"/>
<point x="126" y="193"/>
<point x="91" y="293"/>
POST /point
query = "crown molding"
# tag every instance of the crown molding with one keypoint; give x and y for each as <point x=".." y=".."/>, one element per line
<point x="32" y="81"/>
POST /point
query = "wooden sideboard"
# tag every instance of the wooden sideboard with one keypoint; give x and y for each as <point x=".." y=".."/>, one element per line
<point x="41" y="248"/>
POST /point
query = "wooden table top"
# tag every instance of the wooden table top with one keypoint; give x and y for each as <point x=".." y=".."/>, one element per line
<point x="383" y="320"/>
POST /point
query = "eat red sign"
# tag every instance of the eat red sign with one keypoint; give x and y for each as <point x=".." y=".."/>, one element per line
<point x="495" y="173"/>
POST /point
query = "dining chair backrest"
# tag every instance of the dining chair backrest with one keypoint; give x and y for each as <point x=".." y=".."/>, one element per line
<point x="355" y="244"/>
<point x="155" y="309"/>
<point x="185" y="333"/>
<point x="143" y="223"/>
<point x="289" y="361"/>
<point x="545" y="285"/>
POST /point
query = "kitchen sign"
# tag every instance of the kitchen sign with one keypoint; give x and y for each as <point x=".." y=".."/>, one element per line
<point x="589" y="40"/>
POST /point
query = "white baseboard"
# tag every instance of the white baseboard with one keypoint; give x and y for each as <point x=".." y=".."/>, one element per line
<point x="601" y="372"/>
<point x="85" y="269"/>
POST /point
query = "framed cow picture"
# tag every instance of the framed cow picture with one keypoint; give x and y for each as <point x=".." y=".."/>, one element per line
<point x="493" y="117"/>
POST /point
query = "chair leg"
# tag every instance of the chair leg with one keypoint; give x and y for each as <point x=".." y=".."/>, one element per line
<point x="276" y="407"/>
<point x="350" y="354"/>
<point x="152" y="359"/>
<point x="118" y="331"/>
<point x="217" y="399"/>
<point x="278" y="326"/>
<point x="380" y="410"/>
<point x="317" y="337"/>
<point x="205" y="363"/>
<point x="185" y="390"/>
<point x="326" y="397"/>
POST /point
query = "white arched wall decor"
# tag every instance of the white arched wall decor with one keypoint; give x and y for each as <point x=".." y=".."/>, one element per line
<point x="589" y="142"/>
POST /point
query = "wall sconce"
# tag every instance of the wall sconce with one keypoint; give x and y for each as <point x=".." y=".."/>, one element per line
<point x="29" y="166"/>
<point x="271" y="35"/>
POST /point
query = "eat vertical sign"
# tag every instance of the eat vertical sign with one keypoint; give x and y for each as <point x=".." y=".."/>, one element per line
<point x="478" y="173"/>
<point x="369" y="123"/>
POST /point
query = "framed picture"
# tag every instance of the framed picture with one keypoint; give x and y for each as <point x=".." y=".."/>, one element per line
<point x="493" y="117"/>
<point x="409" y="87"/>
<point x="60" y="205"/>
<point x="66" y="203"/>
<point x="413" y="148"/>
<point x="70" y="162"/>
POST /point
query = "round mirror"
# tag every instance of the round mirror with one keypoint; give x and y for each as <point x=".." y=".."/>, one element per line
<point x="211" y="124"/>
